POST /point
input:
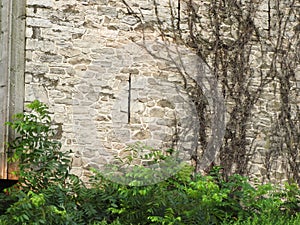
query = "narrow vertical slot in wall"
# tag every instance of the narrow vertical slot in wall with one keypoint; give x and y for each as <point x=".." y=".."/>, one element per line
<point x="129" y="98"/>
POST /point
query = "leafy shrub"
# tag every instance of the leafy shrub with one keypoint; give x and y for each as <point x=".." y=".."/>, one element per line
<point x="40" y="160"/>
<point x="266" y="219"/>
<point x="48" y="194"/>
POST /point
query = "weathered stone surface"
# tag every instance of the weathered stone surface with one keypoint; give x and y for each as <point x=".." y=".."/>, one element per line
<point x="50" y="58"/>
<point x="79" y="60"/>
<point x="76" y="162"/>
<point x="142" y="135"/>
<point x="79" y="57"/>
<point x="36" y="69"/>
<point x="56" y="70"/>
<point x="102" y="118"/>
<point x="138" y="108"/>
<point x="38" y="22"/>
<point x="165" y="104"/>
<point x="69" y="52"/>
<point x="104" y="51"/>
<point x="123" y="135"/>
<point x="40" y="3"/>
<point x="157" y="112"/>
<point x="130" y="70"/>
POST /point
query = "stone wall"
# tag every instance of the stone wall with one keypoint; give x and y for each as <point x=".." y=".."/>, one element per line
<point x="109" y="80"/>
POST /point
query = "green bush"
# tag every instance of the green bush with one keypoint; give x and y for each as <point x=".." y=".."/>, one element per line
<point x="40" y="160"/>
<point x="266" y="219"/>
<point x="48" y="194"/>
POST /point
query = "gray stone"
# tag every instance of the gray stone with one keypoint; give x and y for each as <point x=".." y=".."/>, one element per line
<point x="130" y="20"/>
<point x="142" y="135"/>
<point x="66" y="101"/>
<point x="122" y="135"/>
<point x="103" y="63"/>
<point x="152" y="81"/>
<point x="36" y="69"/>
<point x="81" y="67"/>
<point x="130" y="71"/>
<point x="157" y="112"/>
<point x="166" y="122"/>
<point x="55" y="70"/>
<point x="97" y="68"/>
<point x="102" y="118"/>
<point x="50" y="58"/>
<point x="165" y="104"/>
<point x="104" y="51"/>
<point x="92" y="96"/>
<point x="40" y="93"/>
<point x="138" y="108"/>
<point x="76" y="162"/>
<point x="40" y="3"/>
<point x="150" y="104"/>
<point x="79" y="60"/>
<point x="108" y="11"/>
<point x="69" y="52"/>
<point x="38" y="22"/>
<point x="120" y="117"/>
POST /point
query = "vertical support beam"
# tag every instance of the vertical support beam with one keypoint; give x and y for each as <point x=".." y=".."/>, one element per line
<point x="17" y="65"/>
<point x="12" y="63"/>
<point x="5" y="36"/>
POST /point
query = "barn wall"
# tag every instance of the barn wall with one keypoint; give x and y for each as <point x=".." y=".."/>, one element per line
<point x="106" y="91"/>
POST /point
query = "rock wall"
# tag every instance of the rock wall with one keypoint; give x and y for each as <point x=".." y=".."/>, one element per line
<point x="110" y="81"/>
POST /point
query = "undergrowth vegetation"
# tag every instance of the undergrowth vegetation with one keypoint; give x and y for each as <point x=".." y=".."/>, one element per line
<point x="48" y="194"/>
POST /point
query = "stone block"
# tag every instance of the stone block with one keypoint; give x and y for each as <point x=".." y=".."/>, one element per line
<point x="166" y="122"/>
<point x="165" y="104"/>
<point x="102" y="118"/>
<point x="69" y="52"/>
<point x="92" y="96"/>
<point x="142" y="135"/>
<point x="138" y="108"/>
<point x="97" y="68"/>
<point x="157" y="112"/>
<point x="102" y="63"/>
<point x="51" y="58"/>
<point x="130" y="20"/>
<point x="120" y="117"/>
<point x="110" y="12"/>
<point x="79" y="60"/>
<point x="76" y="162"/>
<point x="38" y="22"/>
<point x="122" y="135"/>
<point x="40" y="3"/>
<point x="104" y="51"/>
<point x="130" y="70"/>
<point x="55" y="70"/>
<point x="36" y="69"/>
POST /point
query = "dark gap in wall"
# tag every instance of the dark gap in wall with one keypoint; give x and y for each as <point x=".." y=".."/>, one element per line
<point x="129" y="97"/>
<point x="36" y="33"/>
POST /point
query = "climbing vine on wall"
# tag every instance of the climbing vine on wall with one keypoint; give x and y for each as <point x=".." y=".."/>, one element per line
<point x="252" y="48"/>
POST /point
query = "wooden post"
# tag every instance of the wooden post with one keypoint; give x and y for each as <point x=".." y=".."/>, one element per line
<point x="12" y="60"/>
<point x="5" y="25"/>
